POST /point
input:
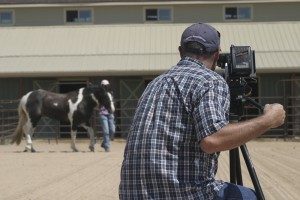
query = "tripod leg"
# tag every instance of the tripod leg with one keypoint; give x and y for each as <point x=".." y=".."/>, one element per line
<point x="235" y="167"/>
<point x="239" y="179"/>
<point x="255" y="181"/>
<point x="232" y="165"/>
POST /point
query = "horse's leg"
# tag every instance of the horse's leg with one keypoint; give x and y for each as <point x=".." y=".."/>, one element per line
<point x="28" y="130"/>
<point x="30" y="136"/>
<point x="33" y="112"/>
<point x="90" y="131"/>
<point x="73" y="137"/>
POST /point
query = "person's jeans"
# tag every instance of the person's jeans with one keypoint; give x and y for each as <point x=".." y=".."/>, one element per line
<point x="236" y="192"/>
<point x="108" y="129"/>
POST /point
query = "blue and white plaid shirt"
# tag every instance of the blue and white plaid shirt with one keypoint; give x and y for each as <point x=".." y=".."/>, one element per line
<point x="163" y="158"/>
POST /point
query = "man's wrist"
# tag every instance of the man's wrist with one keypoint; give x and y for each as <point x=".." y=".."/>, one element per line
<point x="266" y="121"/>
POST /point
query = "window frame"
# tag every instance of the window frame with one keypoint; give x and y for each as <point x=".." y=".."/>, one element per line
<point x="237" y="7"/>
<point x="12" y="16"/>
<point x="157" y="8"/>
<point x="78" y="10"/>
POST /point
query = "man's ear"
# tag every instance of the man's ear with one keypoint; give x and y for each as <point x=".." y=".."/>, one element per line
<point x="216" y="55"/>
<point x="215" y="58"/>
<point x="181" y="51"/>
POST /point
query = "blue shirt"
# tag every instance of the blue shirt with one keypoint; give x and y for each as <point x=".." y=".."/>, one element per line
<point x="163" y="158"/>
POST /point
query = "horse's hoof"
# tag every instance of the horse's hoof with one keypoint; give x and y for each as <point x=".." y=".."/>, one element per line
<point x="92" y="148"/>
<point x="75" y="150"/>
<point x="27" y="149"/>
<point x="33" y="150"/>
<point x="73" y="147"/>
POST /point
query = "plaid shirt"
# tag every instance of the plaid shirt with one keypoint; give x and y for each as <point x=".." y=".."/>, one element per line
<point x="163" y="158"/>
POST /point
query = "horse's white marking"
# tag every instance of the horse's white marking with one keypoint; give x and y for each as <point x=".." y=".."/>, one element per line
<point x="27" y="130"/>
<point x="95" y="99"/>
<point x="73" y="106"/>
<point x="55" y="104"/>
<point x="24" y="101"/>
<point x="112" y="106"/>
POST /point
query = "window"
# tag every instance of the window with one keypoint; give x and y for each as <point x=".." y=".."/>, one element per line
<point x="79" y="16"/>
<point x="6" y="17"/>
<point x="158" y="14"/>
<point x="238" y="13"/>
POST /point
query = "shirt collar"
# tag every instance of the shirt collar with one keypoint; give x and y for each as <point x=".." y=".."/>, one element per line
<point x="191" y="60"/>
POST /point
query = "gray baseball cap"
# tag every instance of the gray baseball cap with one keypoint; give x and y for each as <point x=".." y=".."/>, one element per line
<point x="205" y="34"/>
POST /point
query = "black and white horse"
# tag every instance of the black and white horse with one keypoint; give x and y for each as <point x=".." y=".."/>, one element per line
<point x="74" y="107"/>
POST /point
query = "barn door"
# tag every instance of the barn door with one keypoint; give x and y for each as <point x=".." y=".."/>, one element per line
<point x="47" y="128"/>
<point x="130" y="92"/>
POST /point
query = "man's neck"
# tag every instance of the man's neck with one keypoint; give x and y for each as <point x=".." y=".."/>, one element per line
<point x="204" y="60"/>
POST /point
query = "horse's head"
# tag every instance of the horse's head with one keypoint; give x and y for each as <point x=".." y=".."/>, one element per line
<point x="103" y="97"/>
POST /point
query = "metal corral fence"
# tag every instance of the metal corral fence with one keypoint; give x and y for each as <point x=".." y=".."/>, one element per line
<point x="8" y="118"/>
<point x="52" y="129"/>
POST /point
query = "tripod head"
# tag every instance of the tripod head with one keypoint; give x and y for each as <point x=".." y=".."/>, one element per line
<point x="239" y="91"/>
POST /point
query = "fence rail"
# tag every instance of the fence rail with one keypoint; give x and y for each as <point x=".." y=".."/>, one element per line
<point x="48" y="128"/>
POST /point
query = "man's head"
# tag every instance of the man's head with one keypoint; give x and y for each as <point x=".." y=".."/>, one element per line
<point x="106" y="85"/>
<point x="201" y="41"/>
<point x="104" y="82"/>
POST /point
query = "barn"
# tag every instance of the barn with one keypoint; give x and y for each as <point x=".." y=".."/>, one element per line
<point x="63" y="45"/>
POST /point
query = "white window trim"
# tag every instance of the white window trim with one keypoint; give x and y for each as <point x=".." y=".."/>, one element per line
<point x="78" y="9"/>
<point x="157" y="7"/>
<point x="13" y="17"/>
<point x="238" y="6"/>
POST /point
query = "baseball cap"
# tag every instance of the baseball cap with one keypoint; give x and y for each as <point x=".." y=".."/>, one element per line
<point x="104" y="82"/>
<point x="203" y="33"/>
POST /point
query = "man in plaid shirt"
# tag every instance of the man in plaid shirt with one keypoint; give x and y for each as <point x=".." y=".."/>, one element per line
<point x="181" y="124"/>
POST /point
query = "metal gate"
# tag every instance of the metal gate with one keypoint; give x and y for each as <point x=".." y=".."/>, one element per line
<point x="130" y="92"/>
<point x="291" y="102"/>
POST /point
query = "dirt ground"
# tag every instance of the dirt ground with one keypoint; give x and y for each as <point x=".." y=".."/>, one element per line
<point x="55" y="172"/>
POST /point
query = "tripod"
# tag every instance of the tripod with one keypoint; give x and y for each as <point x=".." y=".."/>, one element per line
<point x="234" y="163"/>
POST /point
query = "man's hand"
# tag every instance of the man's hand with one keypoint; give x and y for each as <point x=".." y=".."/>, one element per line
<point x="274" y="114"/>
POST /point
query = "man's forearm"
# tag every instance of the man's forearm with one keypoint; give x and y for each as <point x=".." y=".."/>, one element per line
<point x="235" y="134"/>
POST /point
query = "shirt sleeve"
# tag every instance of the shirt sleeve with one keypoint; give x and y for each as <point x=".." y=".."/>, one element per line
<point x="211" y="110"/>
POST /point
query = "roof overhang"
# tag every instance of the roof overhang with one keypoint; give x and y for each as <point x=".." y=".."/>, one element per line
<point x="135" y="49"/>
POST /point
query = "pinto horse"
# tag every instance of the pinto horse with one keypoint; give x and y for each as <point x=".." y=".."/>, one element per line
<point x="74" y="107"/>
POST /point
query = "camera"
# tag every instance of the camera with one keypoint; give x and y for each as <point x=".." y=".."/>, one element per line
<point x="240" y="62"/>
<point x="239" y="71"/>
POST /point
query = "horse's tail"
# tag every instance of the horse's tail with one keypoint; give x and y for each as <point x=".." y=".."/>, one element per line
<point x="18" y="134"/>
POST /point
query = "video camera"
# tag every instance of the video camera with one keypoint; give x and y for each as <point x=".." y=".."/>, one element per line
<point x="239" y="71"/>
<point x="239" y="63"/>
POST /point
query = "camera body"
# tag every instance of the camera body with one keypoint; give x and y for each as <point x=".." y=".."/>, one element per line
<point x="239" y="70"/>
<point x="240" y="62"/>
